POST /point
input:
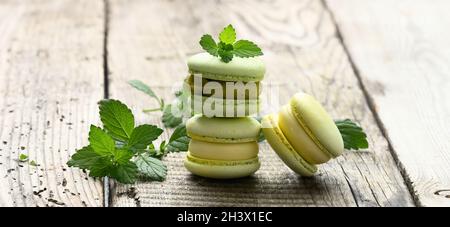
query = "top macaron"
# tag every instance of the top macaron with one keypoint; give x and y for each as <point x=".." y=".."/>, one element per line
<point x="239" y="69"/>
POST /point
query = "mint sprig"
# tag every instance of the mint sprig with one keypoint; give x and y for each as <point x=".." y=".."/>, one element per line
<point x="227" y="47"/>
<point x="139" y="85"/>
<point x="168" y="118"/>
<point x="121" y="150"/>
<point x="352" y="134"/>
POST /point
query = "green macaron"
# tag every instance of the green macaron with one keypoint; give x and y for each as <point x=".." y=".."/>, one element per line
<point x="222" y="148"/>
<point x="303" y="134"/>
<point x="220" y="89"/>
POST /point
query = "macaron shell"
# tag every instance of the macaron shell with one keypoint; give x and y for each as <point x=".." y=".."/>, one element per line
<point x="223" y="151"/>
<point x="221" y="169"/>
<point x="239" y="69"/>
<point x="214" y="107"/>
<point x="299" y="139"/>
<point x="225" y="130"/>
<point x="318" y="122"/>
<point x="283" y="148"/>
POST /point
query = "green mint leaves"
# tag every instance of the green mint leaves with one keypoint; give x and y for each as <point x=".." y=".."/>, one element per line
<point x="168" y="118"/>
<point x="117" y="119"/>
<point x="23" y="158"/>
<point x="228" y="46"/>
<point x="147" y="90"/>
<point x="352" y="134"/>
<point x="151" y="167"/>
<point x="209" y="45"/>
<point x="125" y="152"/>
<point x="228" y="35"/>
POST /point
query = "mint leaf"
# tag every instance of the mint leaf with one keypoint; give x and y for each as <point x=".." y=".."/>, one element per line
<point x="226" y="55"/>
<point x="139" y="85"/>
<point x="101" y="142"/>
<point x="84" y="158"/>
<point x="168" y="119"/>
<point x="117" y="119"/>
<point x="122" y="156"/>
<point x="227" y="47"/>
<point x="352" y="134"/>
<point x="100" y="167"/>
<point x="261" y="136"/>
<point x="245" y="49"/>
<point x="225" y="52"/>
<point x="143" y="135"/>
<point x="23" y="158"/>
<point x="151" y="168"/>
<point x="228" y="35"/>
<point x="209" y="45"/>
<point x="162" y="146"/>
<point x="125" y="173"/>
<point x="179" y="141"/>
<point x="33" y="163"/>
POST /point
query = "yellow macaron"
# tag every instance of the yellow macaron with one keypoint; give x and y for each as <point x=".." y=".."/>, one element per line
<point x="222" y="148"/>
<point x="303" y="134"/>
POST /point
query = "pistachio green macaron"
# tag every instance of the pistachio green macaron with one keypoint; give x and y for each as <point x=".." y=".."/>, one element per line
<point x="220" y="89"/>
<point x="222" y="148"/>
<point x="303" y="134"/>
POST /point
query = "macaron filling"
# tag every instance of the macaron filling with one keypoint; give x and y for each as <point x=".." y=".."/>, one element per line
<point x="223" y="151"/>
<point x="220" y="140"/>
<point x="299" y="138"/>
<point x="217" y="107"/>
<point x="223" y="89"/>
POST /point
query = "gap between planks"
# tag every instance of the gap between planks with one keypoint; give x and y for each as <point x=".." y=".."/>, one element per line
<point x="106" y="181"/>
<point x="371" y="105"/>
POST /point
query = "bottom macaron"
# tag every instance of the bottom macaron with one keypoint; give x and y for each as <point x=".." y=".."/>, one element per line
<point x="221" y="169"/>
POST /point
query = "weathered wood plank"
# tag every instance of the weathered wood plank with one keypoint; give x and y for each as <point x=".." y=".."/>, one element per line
<point x="302" y="52"/>
<point x="51" y="78"/>
<point x="400" y="49"/>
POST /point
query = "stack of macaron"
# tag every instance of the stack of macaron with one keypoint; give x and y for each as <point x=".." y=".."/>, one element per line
<point x="222" y="148"/>
<point x="222" y="89"/>
<point x="223" y="135"/>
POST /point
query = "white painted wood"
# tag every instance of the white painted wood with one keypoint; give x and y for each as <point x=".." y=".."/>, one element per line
<point x="51" y="77"/>
<point x="401" y="50"/>
<point x="150" y="41"/>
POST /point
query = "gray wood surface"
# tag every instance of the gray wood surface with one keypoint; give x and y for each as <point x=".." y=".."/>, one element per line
<point x="382" y="63"/>
<point x="401" y="51"/>
<point x="51" y="78"/>
<point x="302" y="52"/>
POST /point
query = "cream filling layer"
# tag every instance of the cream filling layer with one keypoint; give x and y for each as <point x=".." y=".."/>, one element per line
<point x="223" y="151"/>
<point x="299" y="139"/>
<point x="209" y="162"/>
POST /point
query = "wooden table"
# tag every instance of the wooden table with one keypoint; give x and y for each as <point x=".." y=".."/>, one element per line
<point x="383" y="63"/>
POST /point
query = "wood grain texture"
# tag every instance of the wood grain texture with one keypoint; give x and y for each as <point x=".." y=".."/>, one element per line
<point x="302" y="52"/>
<point x="51" y="78"/>
<point x="400" y="49"/>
